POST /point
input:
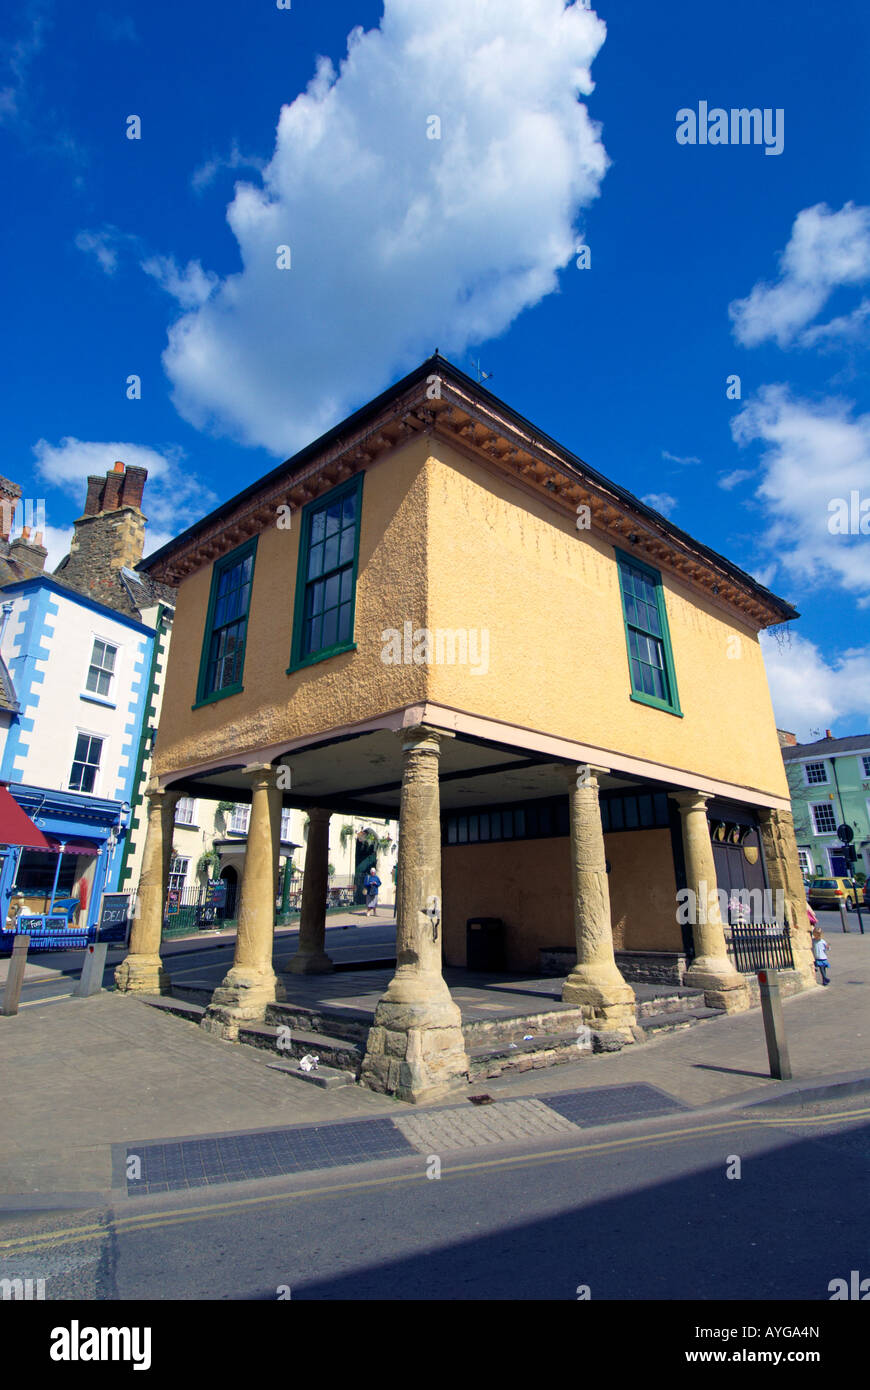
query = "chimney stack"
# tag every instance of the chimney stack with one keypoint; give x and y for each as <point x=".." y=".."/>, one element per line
<point x="828" y="734"/>
<point x="110" y="534"/>
<point x="30" y="553"/>
<point x="786" y="739"/>
<point x="10" y="495"/>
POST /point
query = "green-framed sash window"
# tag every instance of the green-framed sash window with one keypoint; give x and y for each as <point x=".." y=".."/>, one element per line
<point x="650" y="658"/>
<point x="226" y="630"/>
<point x="326" y="581"/>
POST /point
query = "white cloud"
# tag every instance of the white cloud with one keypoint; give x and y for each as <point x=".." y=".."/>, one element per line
<point x="826" y="250"/>
<point x="399" y="243"/>
<point x="174" y="498"/>
<point x="191" y="286"/>
<point x="103" y="245"/>
<point x="675" y="458"/>
<point x="660" y="502"/>
<point x="205" y="175"/>
<point x="846" y="328"/>
<point x="728" y="481"/>
<point x="812" y="454"/>
<point x="809" y="692"/>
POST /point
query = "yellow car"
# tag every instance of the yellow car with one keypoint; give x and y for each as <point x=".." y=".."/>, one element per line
<point x="830" y="892"/>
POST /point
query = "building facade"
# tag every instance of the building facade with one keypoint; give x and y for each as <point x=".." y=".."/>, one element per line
<point x="829" y="781"/>
<point x="78" y="655"/>
<point x="437" y="611"/>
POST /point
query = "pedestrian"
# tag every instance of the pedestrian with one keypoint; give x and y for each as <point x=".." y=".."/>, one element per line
<point x="371" y="884"/>
<point x="820" y="954"/>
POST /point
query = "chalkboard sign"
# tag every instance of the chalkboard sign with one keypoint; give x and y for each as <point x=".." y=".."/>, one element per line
<point x="114" y="921"/>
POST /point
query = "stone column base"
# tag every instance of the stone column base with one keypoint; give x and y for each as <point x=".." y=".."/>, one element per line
<point x="416" y="1051"/>
<point x="308" y="963"/>
<point x="241" y="998"/>
<point x="142" y="975"/>
<point x="605" y="999"/>
<point x="732" y="1001"/>
<point x="723" y="987"/>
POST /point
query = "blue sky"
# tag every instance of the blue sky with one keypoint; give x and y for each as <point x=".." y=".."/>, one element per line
<point x="156" y="257"/>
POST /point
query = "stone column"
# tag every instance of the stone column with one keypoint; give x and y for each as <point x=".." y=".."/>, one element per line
<point x="141" y="971"/>
<point x="595" y="984"/>
<point x="711" y="970"/>
<point x="784" y="876"/>
<point x="416" y="1050"/>
<point x="251" y="983"/>
<point x="310" y="957"/>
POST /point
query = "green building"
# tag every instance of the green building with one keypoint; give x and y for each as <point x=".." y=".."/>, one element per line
<point x="830" y="786"/>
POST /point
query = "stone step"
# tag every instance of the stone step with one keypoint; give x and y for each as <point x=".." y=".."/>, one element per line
<point x="351" y="1024"/>
<point x="653" y="1024"/>
<point x="182" y="1008"/>
<point x="544" y="1050"/>
<point x="481" y="1031"/>
<point x="676" y="1003"/>
<point x="333" y="1052"/>
<point x="327" y="1078"/>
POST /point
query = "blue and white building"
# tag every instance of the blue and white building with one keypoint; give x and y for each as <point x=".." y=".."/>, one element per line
<point x="76" y="686"/>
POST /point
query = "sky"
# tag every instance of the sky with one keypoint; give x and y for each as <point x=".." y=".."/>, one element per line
<point x="226" y="227"/>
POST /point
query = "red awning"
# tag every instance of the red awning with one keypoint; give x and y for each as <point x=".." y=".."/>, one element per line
<point x="16" y="827"/>
<point x="56" y="844"/>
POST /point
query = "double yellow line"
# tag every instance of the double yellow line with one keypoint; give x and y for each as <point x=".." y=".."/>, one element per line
<point x="156" y="1220"/>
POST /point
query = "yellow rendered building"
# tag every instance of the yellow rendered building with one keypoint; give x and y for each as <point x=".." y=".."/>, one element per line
<point x="437" y="613"/>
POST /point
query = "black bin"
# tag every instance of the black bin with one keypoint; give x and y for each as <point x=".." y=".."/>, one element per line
<point x="484" y="943"/>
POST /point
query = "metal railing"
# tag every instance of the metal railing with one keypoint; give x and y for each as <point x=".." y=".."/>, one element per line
<point x="759" y="946"/>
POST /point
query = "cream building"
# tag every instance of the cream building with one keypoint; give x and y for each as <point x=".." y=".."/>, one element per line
<point x="559" y="694"/>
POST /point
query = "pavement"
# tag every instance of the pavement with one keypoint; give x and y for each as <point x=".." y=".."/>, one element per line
<point x="88" y="1082"/>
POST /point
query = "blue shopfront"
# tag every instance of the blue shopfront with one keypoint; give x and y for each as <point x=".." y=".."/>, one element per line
<point x="85" y="838"/>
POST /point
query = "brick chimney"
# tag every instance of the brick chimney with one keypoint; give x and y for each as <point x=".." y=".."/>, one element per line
<point x="828" y="734"/>
<point x="30" y="553"/>
<point x="10" y="494"/>
<point x="786" y="740"/>
<point x="109" y="535"/>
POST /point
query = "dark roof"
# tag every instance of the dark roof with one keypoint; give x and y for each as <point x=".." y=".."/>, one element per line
<point x="120" y="590"/>
<point x="8" y="697"/>
<point x="441" y="366"/>
<point x="826" y="746"/>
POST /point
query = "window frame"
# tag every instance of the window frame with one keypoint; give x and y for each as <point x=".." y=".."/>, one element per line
<point x="98" y="766"/>
<point x="177" y="873"/>
<point x="189" y="824"/>
<point x="353" y="485"/>
<point x="96" y="695"/>
<point x="671" y="706"/>
<point x="814" y="805"/>
<point x="817" y="762"/>
<point x="224" y="562"/>
<point x="243" y="810"/>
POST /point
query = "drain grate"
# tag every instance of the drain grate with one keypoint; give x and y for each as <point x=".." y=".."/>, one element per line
<point x="603" y="1103"/>
<point x="186" y="1163"/>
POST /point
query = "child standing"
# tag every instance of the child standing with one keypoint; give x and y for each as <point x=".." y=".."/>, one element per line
<point x="820" y="954"/>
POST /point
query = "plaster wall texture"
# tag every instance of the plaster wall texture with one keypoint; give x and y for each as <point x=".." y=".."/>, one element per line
<point x="527" y="883"/>
<point x="54" y="703"/>
<point x="353" y="686"/>
<point x="549" y="596"/>
<point x="448" y="544"/>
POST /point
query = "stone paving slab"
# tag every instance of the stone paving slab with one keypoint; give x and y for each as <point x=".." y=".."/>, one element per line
<point x="511" y="1122"/>
<point x="86" y="1074"/>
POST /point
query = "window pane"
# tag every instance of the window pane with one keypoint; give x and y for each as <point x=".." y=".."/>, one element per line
<point x="344" y="623"/>
<point x="630" y="806"/>
<point x="348" y="512"/>
<point x="330" y="552"/>
<point x="332" y="587"/>
<point x="318" y="527"/>
<point x="616" y="820"/>
<point x="495" y="825"/>
<point x="315" y="561"/>
<point x="333" y="518"/>
<point x="330" y="627"/>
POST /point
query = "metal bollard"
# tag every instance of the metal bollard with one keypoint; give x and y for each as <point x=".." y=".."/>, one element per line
<point x="844" y="917"/>
<point x="15" y="978"/>
<point x="91" y="981"/>
<point x="774" y="1027"/>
